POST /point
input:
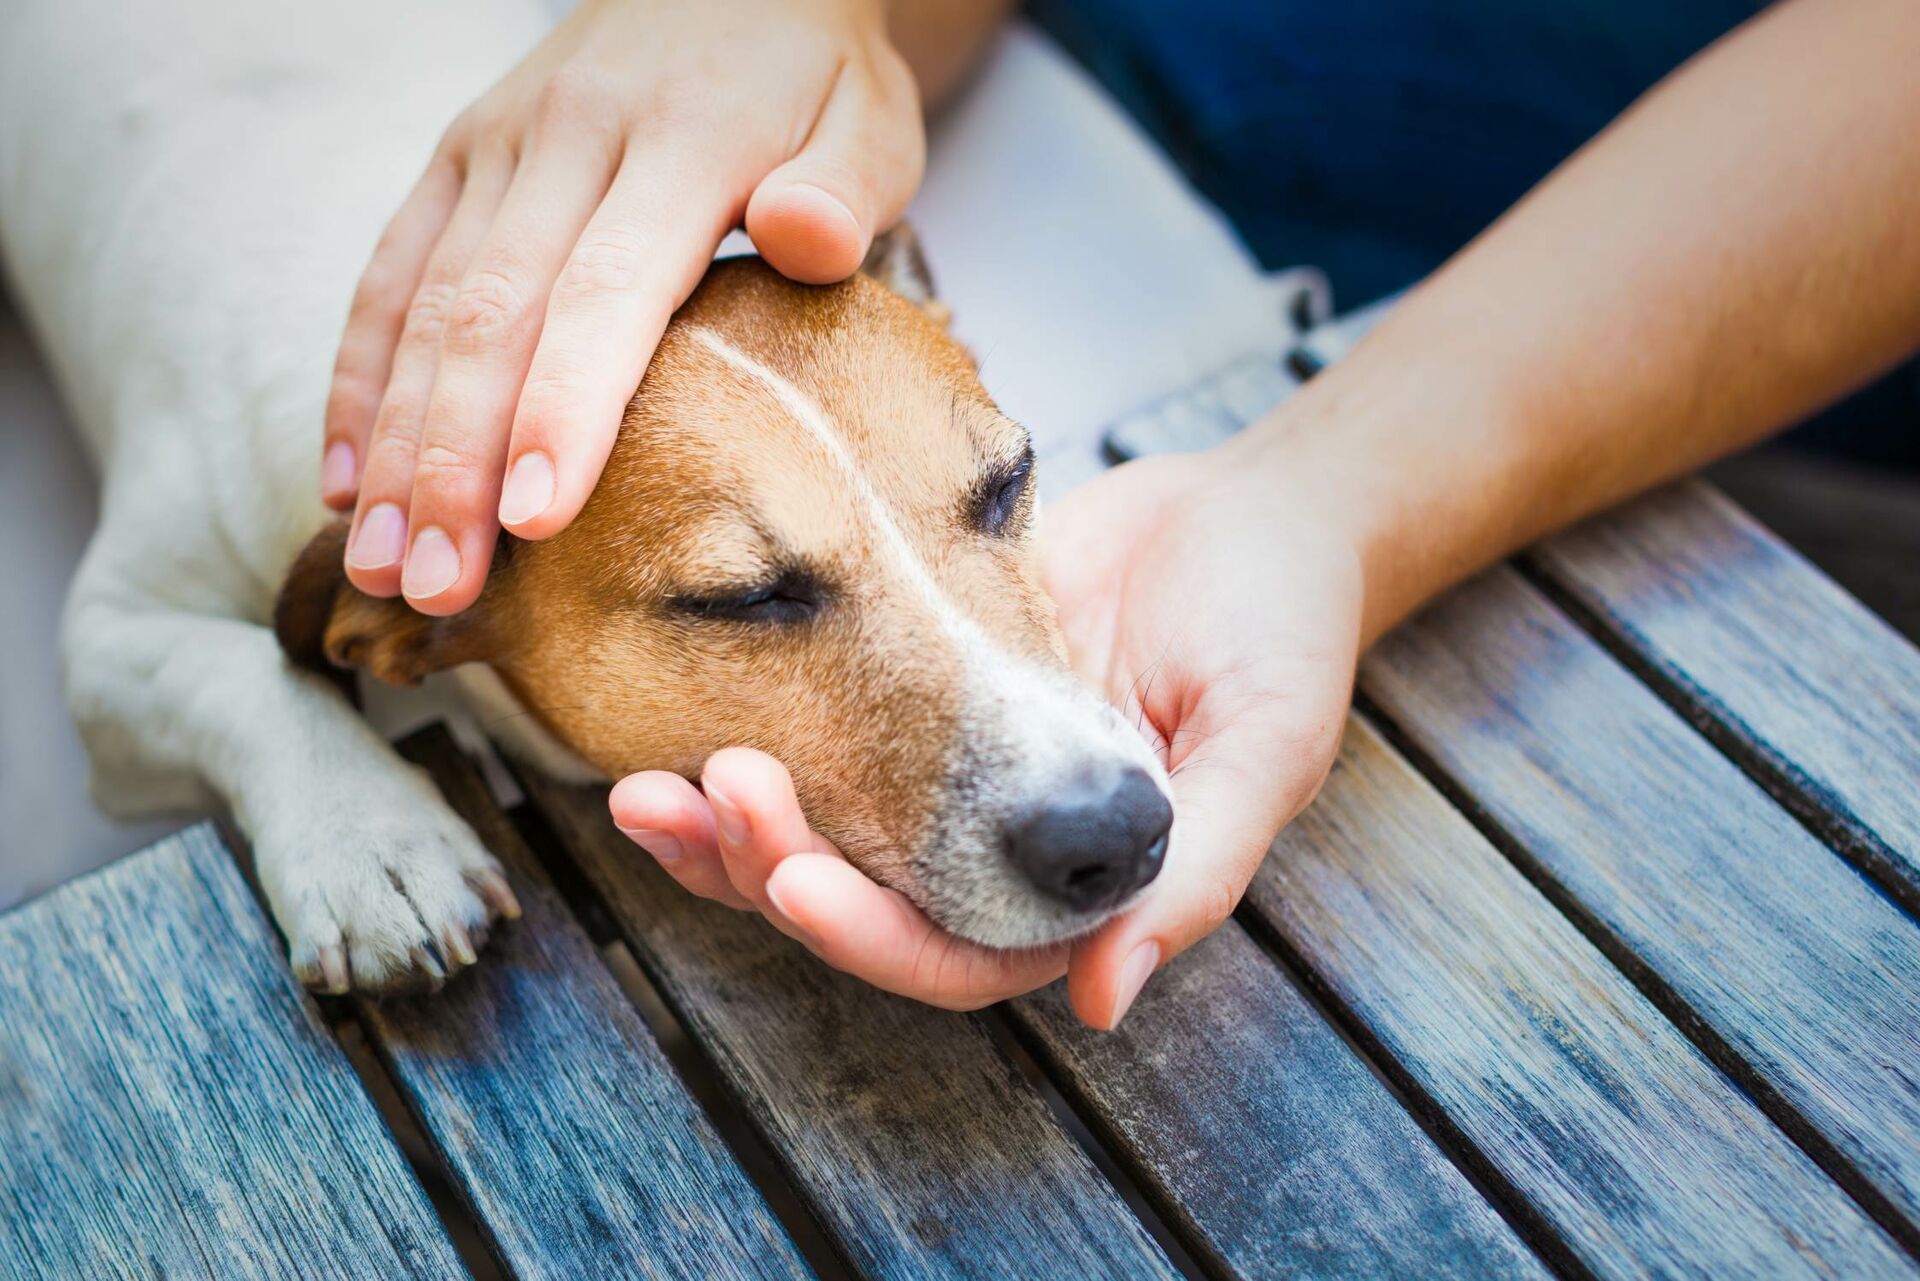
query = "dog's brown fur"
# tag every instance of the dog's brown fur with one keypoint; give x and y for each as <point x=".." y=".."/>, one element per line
<point x="712" y="486"/>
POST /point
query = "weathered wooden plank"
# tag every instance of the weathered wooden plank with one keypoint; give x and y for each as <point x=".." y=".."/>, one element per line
<point x="920" y="1149"/>
<point x="1263" y="1139"/>
<point x="1617" y="1136"/>
<point x="1807" y="973"/>
<point x="1800" y="683"/>
<point x="170" y="1103"/>
<point x="549" y="1103"/>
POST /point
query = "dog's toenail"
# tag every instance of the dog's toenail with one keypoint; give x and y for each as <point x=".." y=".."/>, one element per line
<point x="497" y="894"/>
<point x="333" y="971"/>
<point x="457" y="946"/>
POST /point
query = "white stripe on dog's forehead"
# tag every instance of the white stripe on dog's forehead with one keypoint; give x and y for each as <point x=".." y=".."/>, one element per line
<point x="1043" y="718"/>
<point x="807" y="412"/>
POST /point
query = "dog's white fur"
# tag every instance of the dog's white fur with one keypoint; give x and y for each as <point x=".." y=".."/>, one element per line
<point x="187" y="194"/>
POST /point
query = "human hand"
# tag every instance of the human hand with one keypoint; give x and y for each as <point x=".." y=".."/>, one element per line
<point x="740" y="839"/>
<point x="517" y="296"/>
<point x="1219" y="607"/>
<point x="1223" y="618"/>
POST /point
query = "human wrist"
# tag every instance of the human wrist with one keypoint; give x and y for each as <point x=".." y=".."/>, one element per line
<point x="1419" y="466"/>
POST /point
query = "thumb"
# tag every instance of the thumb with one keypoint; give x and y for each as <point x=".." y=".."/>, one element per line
<point x="814" y="217"/>
<point x="1228" y="803"/>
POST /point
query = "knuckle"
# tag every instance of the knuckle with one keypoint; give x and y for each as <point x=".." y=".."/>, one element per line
<point x="576" y="94"/>
<point x="680" y="99"/>
<point x="398" y="421"/>
<point x="378" y="283"/>
<point x="892" y="76"/>
<point x="442" y="470"/>
<point x="351" y="394"/>
<point x="548" y="400"/>
<point x="489" y="307"/>
<point x="481" y="120"/>
<point x="427" y="312"/>
<point x="459" y="134"/>
<point x="606" y="264"/>
<point x="1216" y="905"/>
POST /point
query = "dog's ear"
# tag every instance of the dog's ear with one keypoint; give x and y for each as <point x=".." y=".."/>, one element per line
<point x="895" y="261"/>
<point x="326" y="624"/>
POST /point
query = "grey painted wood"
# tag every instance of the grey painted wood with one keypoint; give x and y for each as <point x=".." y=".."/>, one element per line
<point x="1261" y="1136"/>
<point x="922" y="1151"/>
<point x="550" y="1105"/>
<point x="1798" y="681"/>
<point x="1809" y="974"/>
<point x="1617" y="1137"/>
<point x="170" y="1103"/>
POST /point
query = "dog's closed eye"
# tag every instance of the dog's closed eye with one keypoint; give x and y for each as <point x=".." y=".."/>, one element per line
<point x="997" y="499"/>
<point x="791" y="597"/>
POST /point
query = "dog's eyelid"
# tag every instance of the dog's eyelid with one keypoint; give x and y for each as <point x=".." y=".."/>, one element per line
<point x="1000" y="493"/>
<point x="793" y="595"/>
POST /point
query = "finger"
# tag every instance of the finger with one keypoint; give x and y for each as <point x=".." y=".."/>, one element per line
<point x="637" y="260"/>
<point x="879" y="936"/>
<point x="756" y="816"/>
<point x="1227" y="810"/>
<point x="378" y="540"/>
<point x="666" y="816"/>
<point x="814" y="217"/>
<point x="365" y="359"/>
<point x="485" y="349"/>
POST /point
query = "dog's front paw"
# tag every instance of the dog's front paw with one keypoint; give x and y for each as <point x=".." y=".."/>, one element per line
<point x="389" y="893"/>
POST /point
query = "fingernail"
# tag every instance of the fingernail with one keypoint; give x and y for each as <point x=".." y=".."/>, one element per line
<point x="778" y="899"/>
<point x="432" y="566"/>
<point x="661" y="845"/>
<point x="529" y="489"/>
<point x="336" y="470"/>
<point x="1134" y="973"/>
<point x="833" y="202"/>
<point x="381" y="539"/>
<point x="728" y="818"/>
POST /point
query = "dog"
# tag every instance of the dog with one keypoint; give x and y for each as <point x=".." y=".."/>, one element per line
<point x="816" y="534"/>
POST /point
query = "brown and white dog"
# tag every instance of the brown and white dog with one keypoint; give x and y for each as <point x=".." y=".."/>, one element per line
<point x="815" y="535"/>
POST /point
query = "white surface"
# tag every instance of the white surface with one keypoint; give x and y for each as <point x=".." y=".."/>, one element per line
<point x="1080" y="268"/>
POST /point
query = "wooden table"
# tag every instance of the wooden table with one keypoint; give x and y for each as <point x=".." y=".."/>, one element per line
<point x="1598" y="956"/>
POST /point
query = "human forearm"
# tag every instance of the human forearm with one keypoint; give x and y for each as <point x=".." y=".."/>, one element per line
<point x="1734" y="252"/>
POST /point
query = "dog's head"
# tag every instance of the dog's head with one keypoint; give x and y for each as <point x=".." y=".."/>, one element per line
<point x="815" y="536"/>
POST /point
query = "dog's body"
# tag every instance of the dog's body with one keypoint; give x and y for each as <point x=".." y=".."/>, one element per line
<point x="186" y="197"/>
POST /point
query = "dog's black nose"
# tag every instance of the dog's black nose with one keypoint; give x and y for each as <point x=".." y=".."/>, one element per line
<point x="1095" y="842"/>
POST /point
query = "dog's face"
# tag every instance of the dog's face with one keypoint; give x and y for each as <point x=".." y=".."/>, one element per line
<point x="815" y="536"/>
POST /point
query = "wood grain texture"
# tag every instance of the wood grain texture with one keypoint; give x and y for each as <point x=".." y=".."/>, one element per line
<point x="170" y="1103"/>
<point x="1799" y="682"/>
<point x="1261" y="1136"/>
<point x="549" y="1103"/>
<point x="1618" y="1138"/>
<point x="921" y="1150"/>
<point x="1681" y="863"/>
